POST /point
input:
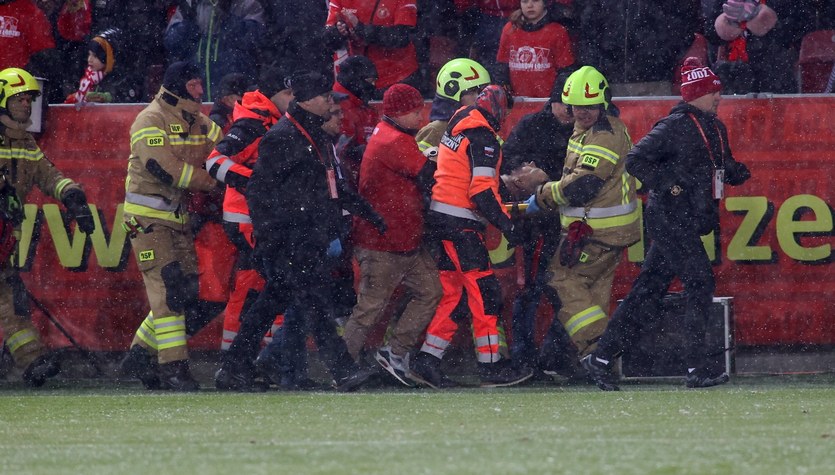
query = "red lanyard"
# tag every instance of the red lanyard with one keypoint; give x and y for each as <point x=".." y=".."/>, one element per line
<point x="707" y="144"/>
<point x="330" y="175"/>
<point x="307" y="136"/>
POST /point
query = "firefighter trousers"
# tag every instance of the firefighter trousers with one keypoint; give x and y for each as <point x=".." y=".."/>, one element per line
<point x="585" y="290"/>
<point x="166" y="258"/>
<point x="21" y="337"/>
<point x="463" y="263"/>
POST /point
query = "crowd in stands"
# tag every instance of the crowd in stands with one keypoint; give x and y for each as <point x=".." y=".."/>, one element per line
<point x="116" y="51"/>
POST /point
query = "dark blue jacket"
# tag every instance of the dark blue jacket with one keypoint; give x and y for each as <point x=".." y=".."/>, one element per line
<point x="221" y="43"/>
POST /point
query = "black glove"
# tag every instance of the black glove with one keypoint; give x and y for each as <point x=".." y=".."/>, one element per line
<point x="76" y="203"/>
<point x="515" y="235"/>
<point x="237" y="181"/>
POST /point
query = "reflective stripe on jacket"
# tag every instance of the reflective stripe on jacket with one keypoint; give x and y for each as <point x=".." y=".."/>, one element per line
<point x="459" y="177"/>
<point x="613" y="212"/>
<point x="253" y="106"/>
<point x="169" y="146"/>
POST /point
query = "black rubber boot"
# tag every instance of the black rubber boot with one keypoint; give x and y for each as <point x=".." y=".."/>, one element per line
<point x="176" y="376"/>
<point x="238" y="377"/>
<point x="139" y="364"/>
<point x="701" y="379"/>
<point x="38" y="371"/>
<point x="600" y="372"/>
<point x="426" y="370"/>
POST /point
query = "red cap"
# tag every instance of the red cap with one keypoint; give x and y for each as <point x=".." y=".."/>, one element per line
<point x="401" y="99"/>
<point x="697" y="80"/>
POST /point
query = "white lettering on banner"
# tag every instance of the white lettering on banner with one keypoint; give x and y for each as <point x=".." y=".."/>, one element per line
<point x="529" y="58"/>
<point x="8" y="27"/>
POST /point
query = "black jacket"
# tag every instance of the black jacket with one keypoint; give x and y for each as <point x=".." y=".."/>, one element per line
<point x="540" y="138"/>
<point x="672" y="161"/>
<point x="287" y="193"/>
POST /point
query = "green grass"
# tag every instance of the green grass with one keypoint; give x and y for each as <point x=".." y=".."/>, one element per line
<point x="752" y="426"/>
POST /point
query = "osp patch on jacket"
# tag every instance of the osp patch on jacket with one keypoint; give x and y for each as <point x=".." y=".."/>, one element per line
<point x="452" y="142"/>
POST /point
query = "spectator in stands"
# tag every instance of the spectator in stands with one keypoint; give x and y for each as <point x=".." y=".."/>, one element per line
<point x="759" y="43"/>
<point x="532" y="50"/>
<point x="356" y="79"/>
<point x="71" y="21"/>
<point x="142" y="25"/>
<point x="487" y="18"/>
<point x="26" y="39"/>
<point x="379" y="30"/>
<point x="232" y="88"/>
<point x="222" y="36"/>
<point x="295" y="35"/>
<point x="635" y="44"/>
<point x="103" y="81"/>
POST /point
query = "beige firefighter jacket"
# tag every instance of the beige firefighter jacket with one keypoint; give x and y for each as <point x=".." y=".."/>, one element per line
<point x="431" y="133"/>
<point x="169" y="144"/>
<point x="24" y="166"/>
<point x="613" y="213"/>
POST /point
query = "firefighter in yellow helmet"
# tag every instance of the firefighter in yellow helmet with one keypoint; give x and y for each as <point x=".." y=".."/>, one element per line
<point x="598" y="208"/>
<point x="458" y="83"/>
<point x="22" y="167"/>
<point x="170" y="140"/>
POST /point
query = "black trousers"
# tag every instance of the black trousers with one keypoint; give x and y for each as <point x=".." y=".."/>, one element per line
<point x="296" y="276"/>
<point x="676" y="250"/>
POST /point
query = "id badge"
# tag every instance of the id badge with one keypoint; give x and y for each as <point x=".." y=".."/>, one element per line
<point x="718" y="183"/>
<point x="332" y="184"/>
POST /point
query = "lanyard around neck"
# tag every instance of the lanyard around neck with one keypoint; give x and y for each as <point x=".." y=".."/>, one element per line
<point x="707" y="143"/>
<point x="307" y="136"/>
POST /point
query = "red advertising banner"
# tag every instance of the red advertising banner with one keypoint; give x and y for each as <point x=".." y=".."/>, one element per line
<point x="773" y="255"/>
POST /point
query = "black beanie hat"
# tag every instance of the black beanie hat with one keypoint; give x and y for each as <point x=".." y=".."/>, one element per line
<point x="306" y="85"/>
<point x="273" y="80"/>
<point x="177" y="75"/>
<point x="353" y="73"/>
<point x="233" y="83"/>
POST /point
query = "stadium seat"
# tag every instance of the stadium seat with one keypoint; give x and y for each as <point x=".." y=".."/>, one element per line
<point x="817" y="56"/>
<point x="698" y="49"/>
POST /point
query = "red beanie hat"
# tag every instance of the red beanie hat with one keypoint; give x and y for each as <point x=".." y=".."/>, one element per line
<point x="401" y="99"/>
<point x="697" y="80"/>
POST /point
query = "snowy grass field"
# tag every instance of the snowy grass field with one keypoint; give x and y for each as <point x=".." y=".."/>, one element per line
<point x="764" y="425"/>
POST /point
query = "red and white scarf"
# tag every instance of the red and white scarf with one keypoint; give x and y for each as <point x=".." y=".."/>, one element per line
<point x="88" y="81"/>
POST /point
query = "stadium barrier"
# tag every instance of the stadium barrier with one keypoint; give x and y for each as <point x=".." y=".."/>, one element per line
<point x="773" y="253"/>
